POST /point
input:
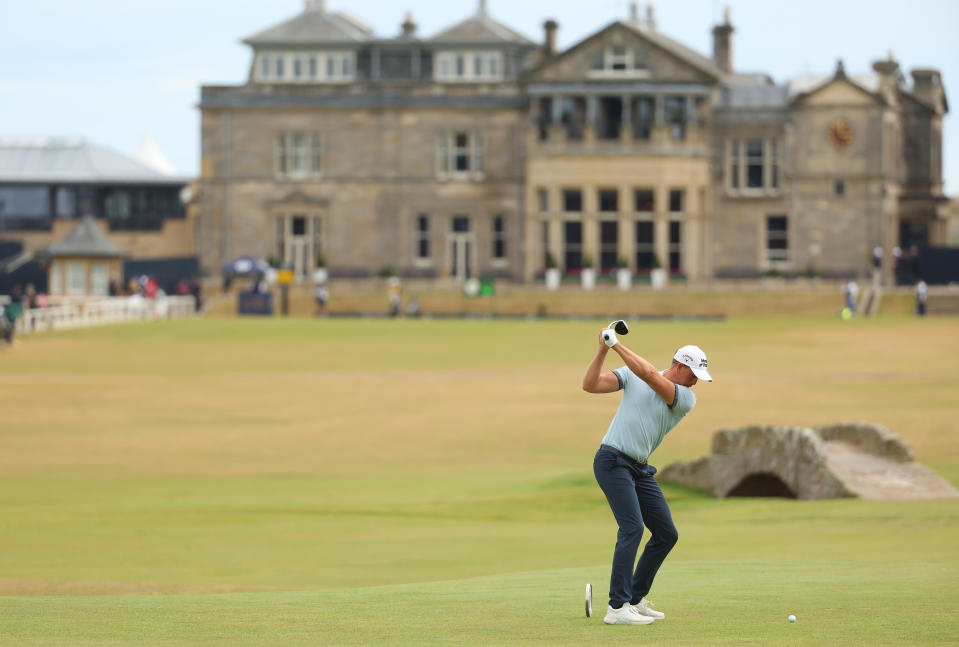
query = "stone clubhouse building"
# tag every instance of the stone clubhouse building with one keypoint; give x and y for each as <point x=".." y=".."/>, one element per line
<point x="479" y="152"/>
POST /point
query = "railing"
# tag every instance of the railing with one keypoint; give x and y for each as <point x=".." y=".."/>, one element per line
<point x="85" y="314"/>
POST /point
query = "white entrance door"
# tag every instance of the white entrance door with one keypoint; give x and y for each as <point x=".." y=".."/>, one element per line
<point x="298" y="249"/>
<point x="461" y="248"/>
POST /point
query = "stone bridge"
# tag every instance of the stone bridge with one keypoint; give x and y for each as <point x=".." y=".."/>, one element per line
<point x="841" y="460"/>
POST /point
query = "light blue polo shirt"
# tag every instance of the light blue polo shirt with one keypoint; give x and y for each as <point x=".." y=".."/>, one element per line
<point x="644" y="418"/>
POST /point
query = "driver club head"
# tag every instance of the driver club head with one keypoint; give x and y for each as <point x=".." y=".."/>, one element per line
<point x="619" y="326"/>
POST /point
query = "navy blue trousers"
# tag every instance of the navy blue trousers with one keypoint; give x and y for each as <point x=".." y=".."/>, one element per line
<point x="636" y="500"/>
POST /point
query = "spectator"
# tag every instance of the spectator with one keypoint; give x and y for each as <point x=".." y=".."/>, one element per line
<point x="395" y="291"/>
<point x="196" y="291"/>
<point x="852" y="296"/>
<point x="30" y="296"/>
<point x="922" y="291"/>
<point x="322" y="295"/>
<point x="11" y="311"/>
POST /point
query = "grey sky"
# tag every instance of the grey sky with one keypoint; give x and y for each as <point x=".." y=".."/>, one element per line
<point x="112" y="70"/>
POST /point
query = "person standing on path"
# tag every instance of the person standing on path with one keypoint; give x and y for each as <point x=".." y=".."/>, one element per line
<point x="653" y="403"/>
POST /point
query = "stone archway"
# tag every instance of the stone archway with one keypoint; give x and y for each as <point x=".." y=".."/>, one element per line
<point x="844" y="459"/>
<point x="762" y="484"/>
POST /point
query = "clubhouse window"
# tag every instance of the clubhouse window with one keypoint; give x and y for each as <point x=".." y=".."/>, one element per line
<point x="460" y="155"/>
<point x="777" y="240"/>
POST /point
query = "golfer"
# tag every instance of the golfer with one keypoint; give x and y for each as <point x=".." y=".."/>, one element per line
<point x="653" y="403"/>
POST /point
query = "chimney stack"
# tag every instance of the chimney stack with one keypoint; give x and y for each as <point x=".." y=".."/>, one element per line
<point x="634" y="12"/>
<point x="650" y="19"/>
<point x="549" y="44"/>
<point x="723" y="44"/>
<point x="888" y="71"/>
<point x="927" y="87"/>
<point x="408" y="26"/>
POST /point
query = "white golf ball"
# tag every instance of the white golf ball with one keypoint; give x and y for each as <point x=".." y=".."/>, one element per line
<point x="792" y="618"/>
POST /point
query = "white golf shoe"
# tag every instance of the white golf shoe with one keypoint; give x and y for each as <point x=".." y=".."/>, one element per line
<point x="645" y="608"/>
<point x="625" y="616"/>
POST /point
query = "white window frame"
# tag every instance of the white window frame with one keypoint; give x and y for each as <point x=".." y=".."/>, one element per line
<point x="298" y="146"/>
<point x="447" y="152"/>
<point x="737" y="158"/>
<point x="496" y="236"/>
<point x="76" y="277"/>
<point x="99" y="280"/>
<point x="326" y="66"/>
<point x="633" y="65"/>
<point x="419" y="236"/>
<point x="775" y="258"/>
<point x="488" y="62"/>
<point x="56" y="278"/>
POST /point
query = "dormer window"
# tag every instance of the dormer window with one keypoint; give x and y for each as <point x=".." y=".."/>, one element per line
<point x="305" y="67"/>
<point x="468" y="66"/>
<point x="618" y="60"/>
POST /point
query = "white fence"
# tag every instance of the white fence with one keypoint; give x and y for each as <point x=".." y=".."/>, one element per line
<point x="84" y="314"/>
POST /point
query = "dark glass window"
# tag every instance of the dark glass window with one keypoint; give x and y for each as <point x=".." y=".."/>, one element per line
<point x="675" y="245"/>
<point x="139" y="208"/>
<point x="499" y="237"/>
<point x="644" y="200"/>
<point x="608" y="200"/>
<point x="676" y="200"/>
<point x="676" y="117"/>
<point x="65" y="202"/>
<point x="423" y="236"/>
<point x="754" y="163"/>
<point x="25" y="207"/>
<point x="644" y="244"/>
<point x="643" y="123"/>
<point x="572" y="200"/>
<point x="299" y="225"/>
<point x="608" y="245"/>
<point x="573" y="245"/>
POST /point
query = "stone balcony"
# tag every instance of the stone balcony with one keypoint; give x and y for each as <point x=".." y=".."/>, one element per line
<point x="662" y="140"/>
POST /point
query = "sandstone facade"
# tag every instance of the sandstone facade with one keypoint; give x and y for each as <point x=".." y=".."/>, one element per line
<point x="479" y="152"/>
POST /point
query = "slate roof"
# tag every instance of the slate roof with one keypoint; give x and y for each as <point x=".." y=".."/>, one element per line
<point x="72" y="160"/>
<point x="480" y="28"/>
<point x="759" y="91"/>
<point x="752" y="91"/>
<point x="86" y="239"/>
<point x="313" y="25"/>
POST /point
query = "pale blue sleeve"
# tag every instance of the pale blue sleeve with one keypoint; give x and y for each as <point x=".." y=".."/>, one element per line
<point x="622" y="374"/>
<point x="685" y="399"/>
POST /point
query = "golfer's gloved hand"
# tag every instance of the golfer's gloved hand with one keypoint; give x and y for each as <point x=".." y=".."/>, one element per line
<point x="609" y="338"/>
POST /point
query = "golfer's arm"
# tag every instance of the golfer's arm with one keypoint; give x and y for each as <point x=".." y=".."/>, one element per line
<point x="647" y="373"/>
<point x="596" y="382"/>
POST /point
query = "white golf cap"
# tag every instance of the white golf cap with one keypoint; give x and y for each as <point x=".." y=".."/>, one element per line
<point x="694" y="358"/>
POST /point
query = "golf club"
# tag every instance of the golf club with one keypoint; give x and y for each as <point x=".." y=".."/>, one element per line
<point x="619" y="326"/>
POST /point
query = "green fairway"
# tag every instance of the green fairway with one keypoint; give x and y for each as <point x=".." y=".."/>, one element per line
<point x="371" y="482"/>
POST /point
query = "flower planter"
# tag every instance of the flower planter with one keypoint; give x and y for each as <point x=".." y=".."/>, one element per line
<point x="624" y="278"/>
<point x="552" y="278"/>
<point x="587" y="277"/>
<point x="657" y="278"/>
